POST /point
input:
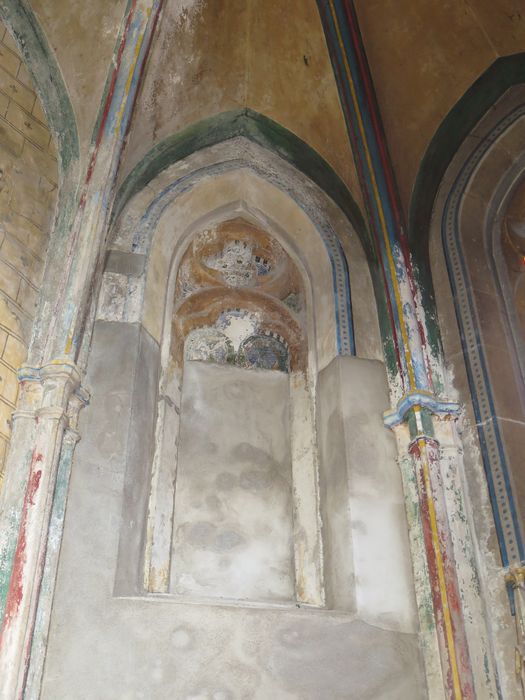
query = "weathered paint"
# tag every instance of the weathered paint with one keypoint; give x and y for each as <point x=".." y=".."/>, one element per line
<point x="299" y="189"/>
<point x="417" y="363"/>
<point x="495" y="460"/>
<point x="82" y="252"/>
<point x="458" y="123"/>
<point x="47" y="78"/>
<point x="63" y="334"/>
<point x="43" y="425"/>
<point x="16" y="586"/>
<point x="47" y="587"/>
<point x="447" y="607"/>
<point x="257" y="128"/>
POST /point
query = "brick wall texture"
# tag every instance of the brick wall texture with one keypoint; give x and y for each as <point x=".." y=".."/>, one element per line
<point x="28" y="194"/>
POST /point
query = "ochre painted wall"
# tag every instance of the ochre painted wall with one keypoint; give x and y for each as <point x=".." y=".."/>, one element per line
<point x="423" y="56"/>
<point x="83" y="36"/>
<point x="28" y="191"/>
<point x="223" y="55"/>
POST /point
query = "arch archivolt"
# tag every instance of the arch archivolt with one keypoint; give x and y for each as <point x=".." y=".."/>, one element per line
<point x="239" y="171"/>
<point x="158" y="233"/>
<point x="161" y="225"/>
<point x="476" y="313"/>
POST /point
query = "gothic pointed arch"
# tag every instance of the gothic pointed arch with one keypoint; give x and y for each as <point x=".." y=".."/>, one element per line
<point x="44" y="69"/>
<point x="260" y="130"/>
<point x="470" y="247"/>
<point x="504" y="73"/>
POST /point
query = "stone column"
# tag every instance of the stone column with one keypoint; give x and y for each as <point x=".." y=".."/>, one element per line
<point x="452" y="616"/>
<point x="38" y="451"/>
<point x="27" y="502"/>
<point x="54" y="540"/>
<point x="415" y="367"/>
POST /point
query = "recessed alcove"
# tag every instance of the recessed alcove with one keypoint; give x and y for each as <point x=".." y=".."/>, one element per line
<point x="237" y="333"/>
<point x="235" y="447"/>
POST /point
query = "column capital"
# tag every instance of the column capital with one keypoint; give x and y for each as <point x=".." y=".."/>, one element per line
<point x="52" y="390"/>
<point x="58" y="368"/>
<point x="422" y="399"/>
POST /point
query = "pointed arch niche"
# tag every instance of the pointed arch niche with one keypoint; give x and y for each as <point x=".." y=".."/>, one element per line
<point x="474" y="252"/>
<point x="264" y="474"/>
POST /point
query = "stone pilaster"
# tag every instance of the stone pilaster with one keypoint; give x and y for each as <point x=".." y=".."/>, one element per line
<point x="50" y="399"/>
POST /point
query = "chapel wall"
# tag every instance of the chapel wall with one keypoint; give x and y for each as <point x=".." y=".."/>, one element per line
<point x="28" y="194"/>
<point x="119" y="642"/>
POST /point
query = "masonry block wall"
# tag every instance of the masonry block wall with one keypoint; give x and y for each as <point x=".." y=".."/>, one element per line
<point x="28" y="194"/>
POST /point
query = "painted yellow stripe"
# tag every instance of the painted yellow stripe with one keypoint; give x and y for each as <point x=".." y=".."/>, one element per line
<point x="136" y="53"/>
<point x="378" y="201"/>
<point x="441" y="569"/>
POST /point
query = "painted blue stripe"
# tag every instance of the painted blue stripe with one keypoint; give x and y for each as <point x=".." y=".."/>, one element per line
<point x="366" y="116"/>
<point x="506" y="533"/>
<point x="351" y="122"/>
<point x="345" y="336"/>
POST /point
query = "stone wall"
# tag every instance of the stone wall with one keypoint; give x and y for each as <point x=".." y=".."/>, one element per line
<point x="28" y="192"/>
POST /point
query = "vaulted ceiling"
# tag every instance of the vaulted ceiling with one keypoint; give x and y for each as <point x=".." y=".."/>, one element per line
<point x="211" y="56"/>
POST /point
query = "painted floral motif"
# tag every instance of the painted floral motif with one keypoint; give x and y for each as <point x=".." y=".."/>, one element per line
<point x="263" y="352"/>
<point x="237" y="264"/>
<point x="236" y="339"/>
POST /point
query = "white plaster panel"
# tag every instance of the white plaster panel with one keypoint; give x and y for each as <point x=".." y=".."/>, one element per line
<point x="360" y="452"/>
<point x="233" y="515"/>
<point x="103" y="647"/>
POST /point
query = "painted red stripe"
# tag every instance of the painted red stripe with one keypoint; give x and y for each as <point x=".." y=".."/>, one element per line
<point x="437" y="601"/>
<point x="388" y="170"/>
<point x="143" y="67"/>
<point x="372" y="106"/>
<point x="16" y="588"/>
<point x="111" y="91"/>
<point x="369" y="205"/>
<point x="366" y="195"/>
<point x="450" y="571"/>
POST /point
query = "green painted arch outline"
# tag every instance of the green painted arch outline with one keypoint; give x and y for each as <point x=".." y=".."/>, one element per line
<point x="44" y="69"/>
<point x="504" y="73"/>
<point x="282" y="144"/>
<point x="455" y="127"/>
<point x="257" y="128"/>
<point x="42" y="65"/>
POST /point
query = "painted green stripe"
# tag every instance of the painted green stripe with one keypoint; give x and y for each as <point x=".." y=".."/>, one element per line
<point x="46" y="75"/>
<point x="455" y="127"/>
<point x="259" y="129"/>
<point x="459" y="122"/>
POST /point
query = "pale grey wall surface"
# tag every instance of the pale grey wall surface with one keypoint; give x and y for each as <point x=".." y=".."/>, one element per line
<point x="140" y="446"/>
<point x="233" y="518"/>
<point x="367" y="554"/>
<point x="106" y="648"/>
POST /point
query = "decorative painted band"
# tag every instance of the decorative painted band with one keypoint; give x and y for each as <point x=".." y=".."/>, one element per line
<point x="379" y="192"/>
<point x="345" y="340"/>
<point x="423" y="399"/>
<point x="510" y="537"/>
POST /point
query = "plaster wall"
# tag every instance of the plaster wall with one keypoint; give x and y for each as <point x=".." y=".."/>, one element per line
<point x="73" y="30"/>
<point x="104" y="646"/>
<point x="233" y="518"/>
<point x="366" y="550"/>
<point x="423" y="57"/>
<point x="213" y="56"/>
<point x="28" y="193"/>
